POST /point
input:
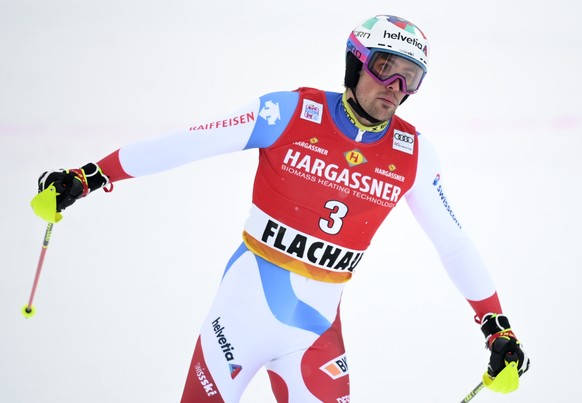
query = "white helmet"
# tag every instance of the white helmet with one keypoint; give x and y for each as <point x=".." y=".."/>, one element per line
<point x="386" y="34"/>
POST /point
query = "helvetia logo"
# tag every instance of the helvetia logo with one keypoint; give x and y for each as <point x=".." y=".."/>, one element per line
<point x="234" y="370"/>
<point x="226" y="347"/>
<point x="403" y="38"/>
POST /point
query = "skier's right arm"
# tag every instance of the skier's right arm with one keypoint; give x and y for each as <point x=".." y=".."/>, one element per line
<point x="257" y="125"/>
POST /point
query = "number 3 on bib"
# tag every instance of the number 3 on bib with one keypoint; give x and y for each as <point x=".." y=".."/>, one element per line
<point x="334" y="223"/>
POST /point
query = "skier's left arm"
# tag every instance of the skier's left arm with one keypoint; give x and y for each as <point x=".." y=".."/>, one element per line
<point x="434" y="211"/>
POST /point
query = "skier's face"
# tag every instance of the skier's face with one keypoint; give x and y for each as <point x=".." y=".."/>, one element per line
<point x="379" y="100"/>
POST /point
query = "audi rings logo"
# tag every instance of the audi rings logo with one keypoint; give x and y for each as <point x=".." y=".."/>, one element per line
<point x="403" y="141"/>
<point x="406" y="138"/>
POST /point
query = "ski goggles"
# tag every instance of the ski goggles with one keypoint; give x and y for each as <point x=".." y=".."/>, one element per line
<point x="386" y="67"/>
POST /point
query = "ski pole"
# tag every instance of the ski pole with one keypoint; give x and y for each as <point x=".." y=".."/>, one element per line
<point x="473" y="393"/>
<point x="28" y="310"/>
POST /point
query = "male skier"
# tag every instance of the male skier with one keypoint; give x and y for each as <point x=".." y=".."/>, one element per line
<point x="331" y="167"/>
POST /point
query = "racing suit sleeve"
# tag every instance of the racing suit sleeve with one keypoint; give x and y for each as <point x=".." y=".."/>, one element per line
<point x="431" y="207"/>
<point x="257" y="124"/>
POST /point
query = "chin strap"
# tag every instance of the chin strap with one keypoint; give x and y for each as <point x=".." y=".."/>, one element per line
<point x="351" y="114"/>
<point x="355" y="104"/>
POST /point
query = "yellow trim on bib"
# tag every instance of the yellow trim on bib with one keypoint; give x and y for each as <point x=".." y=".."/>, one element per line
<point x="293" y="265"/>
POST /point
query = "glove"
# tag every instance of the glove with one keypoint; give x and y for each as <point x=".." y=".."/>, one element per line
<point x="59" y="189"/>
<point x="508" y="361"/>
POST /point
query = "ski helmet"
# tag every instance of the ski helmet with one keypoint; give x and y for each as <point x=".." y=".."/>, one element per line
<point x="386" y="33"/>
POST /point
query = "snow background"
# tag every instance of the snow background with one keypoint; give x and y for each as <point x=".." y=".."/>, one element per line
<point x="128" y="276"/>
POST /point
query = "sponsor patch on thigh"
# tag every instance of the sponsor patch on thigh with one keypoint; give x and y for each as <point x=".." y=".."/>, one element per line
<point x="324" y="366"/>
